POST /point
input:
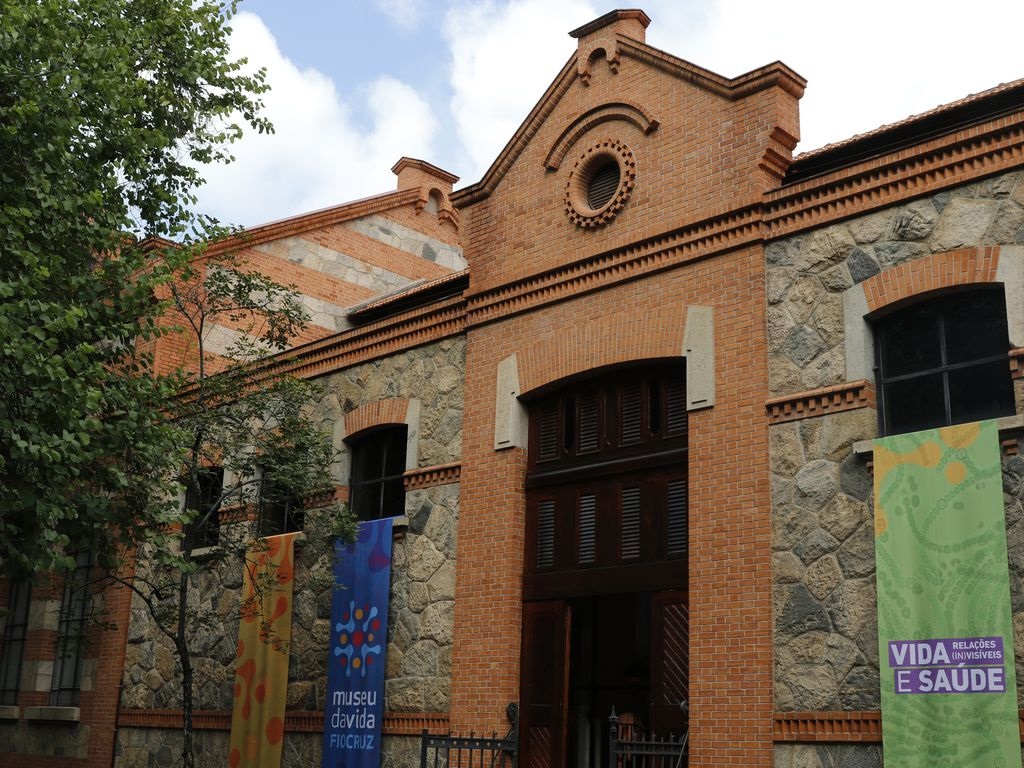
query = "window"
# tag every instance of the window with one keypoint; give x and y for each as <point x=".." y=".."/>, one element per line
<point x="204" y="530"/>
<point x="944" y="361"/>
<point x="67" y="664"/>
<point x="14" y="641"/>
<point x="607" y="479"/>
<point x="281" y="511"/>
<point x="378" y="464"/>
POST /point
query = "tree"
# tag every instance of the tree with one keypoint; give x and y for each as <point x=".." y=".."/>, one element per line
<point x="108" y="109"/>
<point x="247" y="452"/>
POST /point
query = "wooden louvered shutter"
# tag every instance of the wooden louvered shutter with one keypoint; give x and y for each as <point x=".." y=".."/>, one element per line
<point x="586" y="529"/>
<point x="544" y="680"/>
<point x="631" y="414"/>
<point x="670" y="661"/>
<point x="677" y="518"/>
<point x="547" y="438"/>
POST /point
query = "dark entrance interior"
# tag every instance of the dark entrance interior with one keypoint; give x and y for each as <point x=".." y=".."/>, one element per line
<point x="609" y="669"/>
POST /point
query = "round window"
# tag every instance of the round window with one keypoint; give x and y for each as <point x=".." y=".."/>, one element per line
<point x="600" y="183"/>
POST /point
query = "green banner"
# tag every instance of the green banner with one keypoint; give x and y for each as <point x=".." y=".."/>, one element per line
<point x="945" y="636"/>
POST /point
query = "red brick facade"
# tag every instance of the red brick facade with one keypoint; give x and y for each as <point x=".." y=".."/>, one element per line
<point x="682" y="263"/>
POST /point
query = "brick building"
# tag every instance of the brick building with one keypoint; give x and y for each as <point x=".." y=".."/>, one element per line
<point x="619" y="390"/>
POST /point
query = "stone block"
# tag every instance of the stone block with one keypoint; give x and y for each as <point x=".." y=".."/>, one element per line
<point x="862" y="265"/>
<point x="823" y="576"/>
<point x="823" y="249"/>
<point x="778" y="281"/>
<point x="913" y="222"/>
<point x="963" y="222"/>
<point x="842" y="516"/>
<point x="787" y="451"/>
<point x="803" y="297"/>
<point x="816" y="484"/>
<point x="787" y="568"/>
<point x="832" y="436"/>
<point x="801" y="612"/>
<point x="1008" y="222"/>
<point x="857" y="554"/>
<point x="816" y="544"/>
<point x="801" y="345"/>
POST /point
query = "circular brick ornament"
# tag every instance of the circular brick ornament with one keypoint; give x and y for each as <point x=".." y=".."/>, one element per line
<point x="592" y="163"/>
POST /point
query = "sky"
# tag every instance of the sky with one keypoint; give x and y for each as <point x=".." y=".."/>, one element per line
<point x="357" y="84"/>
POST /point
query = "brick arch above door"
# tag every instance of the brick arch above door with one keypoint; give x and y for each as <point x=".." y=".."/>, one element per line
<point x="623" y="337"/>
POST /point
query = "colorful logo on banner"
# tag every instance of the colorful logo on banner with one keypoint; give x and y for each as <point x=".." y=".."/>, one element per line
<point x="945" y="635"/>
<point x="354" y="709"/>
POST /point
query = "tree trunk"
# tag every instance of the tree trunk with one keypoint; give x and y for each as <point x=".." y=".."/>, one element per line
<point x="188" y="757"/>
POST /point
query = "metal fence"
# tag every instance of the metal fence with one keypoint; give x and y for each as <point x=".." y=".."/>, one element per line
<point x="632" y="748"/>
<point x="451" y="751"/>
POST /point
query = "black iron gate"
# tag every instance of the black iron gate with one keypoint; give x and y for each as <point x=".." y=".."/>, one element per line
<point x="451" y="751"/>
<point x="631" y="747"/>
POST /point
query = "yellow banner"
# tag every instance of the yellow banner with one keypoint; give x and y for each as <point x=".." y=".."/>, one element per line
<point x="261" y="666"/>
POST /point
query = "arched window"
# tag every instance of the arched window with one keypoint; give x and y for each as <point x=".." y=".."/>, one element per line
<point x="377" y="484"/>
<point x="434" y="202"/>
<point x="943" y="361"/>
<point x="607" y="477"/>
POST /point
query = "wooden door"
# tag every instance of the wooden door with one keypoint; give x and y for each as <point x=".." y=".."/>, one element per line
<point x="670" y="661"/>
<point x="544" y="684"/>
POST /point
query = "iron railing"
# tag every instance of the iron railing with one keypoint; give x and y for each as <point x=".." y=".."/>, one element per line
<point x="630" y="747"/>
<point x="451" y="751"/>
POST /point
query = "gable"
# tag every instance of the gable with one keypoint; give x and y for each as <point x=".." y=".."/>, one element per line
<point x="687" y="143"/>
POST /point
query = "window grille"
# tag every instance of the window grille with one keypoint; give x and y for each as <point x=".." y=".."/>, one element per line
<point x="67" y="663"/>
<point x="377" y="483"/>
<point x="281" y="510"/>
<point x="204" y="530"/>
<point x="13" y="647"/>
<point x="944" y="361"/>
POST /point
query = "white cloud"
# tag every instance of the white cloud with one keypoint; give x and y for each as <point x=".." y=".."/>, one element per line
<point x="320" y="155"/>
<point x="405" y="13"/>
<point x="867" y="63"/>
<point x="504" y="56"/>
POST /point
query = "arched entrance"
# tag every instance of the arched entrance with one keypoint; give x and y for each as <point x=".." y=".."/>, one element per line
<point x="605" y="619"/>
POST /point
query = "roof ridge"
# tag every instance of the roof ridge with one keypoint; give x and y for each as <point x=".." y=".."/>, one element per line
<point x="910" y="119"/>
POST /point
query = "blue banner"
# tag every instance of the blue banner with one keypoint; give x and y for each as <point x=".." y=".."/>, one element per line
<point x="354" y="709"/>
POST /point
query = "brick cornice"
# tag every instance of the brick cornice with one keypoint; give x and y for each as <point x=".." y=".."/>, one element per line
<point x="1017" y="363"/>
<point x="713" y="233"/>
<point x="771" y="75"/>
<point x="817" y="402"/>
<point x="849" y="727"/>
<point x="304" y="721"/>
<point x="422" y="325"/>
<point x="431" y="477"/>
<point x="827" y="726"/>
<point x="925" y="168"/>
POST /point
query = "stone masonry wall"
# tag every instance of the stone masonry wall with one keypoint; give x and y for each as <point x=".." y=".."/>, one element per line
<point x="422" y="584"/>
<point x="826" y="654"/>
<point x="807" y="273"/>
